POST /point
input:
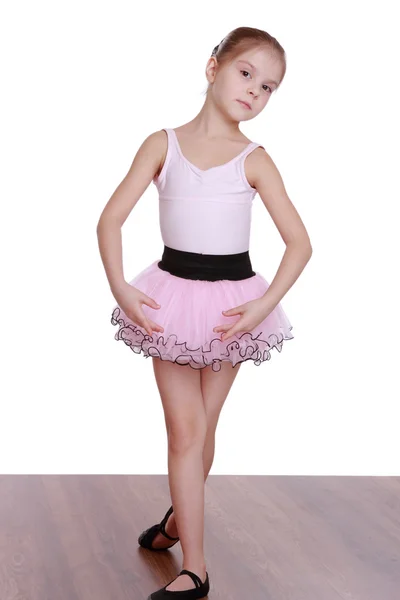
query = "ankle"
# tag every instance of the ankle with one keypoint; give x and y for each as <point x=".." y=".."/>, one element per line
<point x="199" y="569"/>
<point x="171" y="524"/>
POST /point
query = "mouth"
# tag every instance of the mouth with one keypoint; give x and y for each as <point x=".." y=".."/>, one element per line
<point x="246" y="104"/>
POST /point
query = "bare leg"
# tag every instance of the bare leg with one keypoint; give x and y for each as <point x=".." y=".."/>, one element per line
<point x="186" y="422"/>
<point x="215" y="387"/>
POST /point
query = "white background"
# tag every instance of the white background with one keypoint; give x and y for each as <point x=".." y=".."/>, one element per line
<point x="84" y="84"/>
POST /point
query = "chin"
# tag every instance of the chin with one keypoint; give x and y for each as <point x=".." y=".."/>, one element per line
<point x="244" y="117"/>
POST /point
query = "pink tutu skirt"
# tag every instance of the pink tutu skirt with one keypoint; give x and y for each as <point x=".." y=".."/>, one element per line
<point x="190" y="309"/>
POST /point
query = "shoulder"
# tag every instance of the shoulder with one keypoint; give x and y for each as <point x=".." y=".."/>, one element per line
<point x="154" y="148"/>
<point x="260" y="167"/>
<point x="156" y="140"/>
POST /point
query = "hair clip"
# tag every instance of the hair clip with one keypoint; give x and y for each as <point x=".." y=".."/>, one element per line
<point x="216" y="48"/>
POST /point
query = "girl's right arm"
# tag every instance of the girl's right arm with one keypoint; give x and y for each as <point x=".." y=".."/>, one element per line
<point x="144" y="167"/>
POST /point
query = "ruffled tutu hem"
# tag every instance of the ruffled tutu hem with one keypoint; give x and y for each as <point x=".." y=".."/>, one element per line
<point x="190" y="309"/>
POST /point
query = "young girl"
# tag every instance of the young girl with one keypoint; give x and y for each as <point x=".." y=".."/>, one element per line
<point x="202" y="306"/>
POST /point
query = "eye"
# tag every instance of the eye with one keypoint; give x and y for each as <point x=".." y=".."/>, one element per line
<point x="263" y="85"/>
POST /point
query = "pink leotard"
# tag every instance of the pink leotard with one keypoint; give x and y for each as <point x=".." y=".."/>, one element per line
<point x="204" y="211"/>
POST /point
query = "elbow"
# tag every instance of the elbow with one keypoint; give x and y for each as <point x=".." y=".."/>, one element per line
<point x="107" y="223"/>
<point x="102" y="222"/>
<point x="99" y="223"/>
<point x="302" y="245"/>
<point x="308" y="251"/>
<point x="303" y="248"/>
<point x="306" y="246"/>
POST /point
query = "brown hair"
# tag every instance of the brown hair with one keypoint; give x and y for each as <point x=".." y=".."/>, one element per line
<point x="240" y="40"/>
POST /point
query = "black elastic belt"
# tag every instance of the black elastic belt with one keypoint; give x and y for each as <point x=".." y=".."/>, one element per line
<point x="207" y="267"/>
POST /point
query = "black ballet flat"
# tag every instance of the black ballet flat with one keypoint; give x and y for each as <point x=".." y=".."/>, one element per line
<point x="146" y="538"/>
<point x="200" y="591"/>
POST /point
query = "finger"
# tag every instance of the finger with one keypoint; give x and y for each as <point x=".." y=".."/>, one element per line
<point x="226" y="335"/>
<point x="156" y="326"/>
<point x="150" y="302"/>
<point x="233" y="311"/>
<point x="222" y="327"/>
<point x="147" y="327"/>
<point x="232" y="332"/>
<point x="227" y="326"/>
<point x="150" y="326"/>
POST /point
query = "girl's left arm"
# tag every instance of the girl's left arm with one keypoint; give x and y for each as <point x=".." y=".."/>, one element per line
<point x="263" y="175"/>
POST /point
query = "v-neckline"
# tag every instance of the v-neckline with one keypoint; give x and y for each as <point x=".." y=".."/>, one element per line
<point x="209" y="168"/>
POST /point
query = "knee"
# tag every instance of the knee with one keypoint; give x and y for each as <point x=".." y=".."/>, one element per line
<point x="183" y="437"/>
<point x="212" y="417"/>
<point x="211" y="429"/>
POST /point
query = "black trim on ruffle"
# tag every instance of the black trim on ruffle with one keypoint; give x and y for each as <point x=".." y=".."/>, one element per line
<point x="258" y="355"/>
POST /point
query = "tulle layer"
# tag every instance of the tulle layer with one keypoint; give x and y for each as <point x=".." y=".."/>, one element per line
<point x="190" y="309"/>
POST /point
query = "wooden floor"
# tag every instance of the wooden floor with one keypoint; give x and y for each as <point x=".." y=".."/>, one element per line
<point x="280" y="538"/>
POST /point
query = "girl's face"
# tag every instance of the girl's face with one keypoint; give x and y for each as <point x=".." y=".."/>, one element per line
<point x="251" y="78"/>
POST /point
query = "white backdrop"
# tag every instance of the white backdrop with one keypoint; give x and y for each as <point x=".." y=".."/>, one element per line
<point x="85" y="84"/>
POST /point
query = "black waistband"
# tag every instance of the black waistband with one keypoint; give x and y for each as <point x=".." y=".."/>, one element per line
<point x="208" y="267"/>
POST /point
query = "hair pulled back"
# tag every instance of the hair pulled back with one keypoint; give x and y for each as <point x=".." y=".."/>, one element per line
<point x="241" y="40"/>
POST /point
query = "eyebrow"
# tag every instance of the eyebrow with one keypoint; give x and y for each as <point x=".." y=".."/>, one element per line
<point x="256" y="70"/>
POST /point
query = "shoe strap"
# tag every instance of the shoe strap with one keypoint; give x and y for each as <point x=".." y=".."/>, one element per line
<point x="162" y="530"/>
<point x="196" y="579"/>
<point x="164" y="522"/>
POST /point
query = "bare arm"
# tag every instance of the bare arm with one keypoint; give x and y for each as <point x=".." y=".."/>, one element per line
<point x="263" y="174"/>
<point x="145" y="165"/>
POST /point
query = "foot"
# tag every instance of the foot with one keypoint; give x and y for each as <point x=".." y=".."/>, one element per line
<point x="184" y="582"/>
<point x="160" y="541"/>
